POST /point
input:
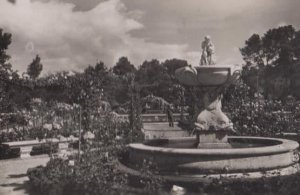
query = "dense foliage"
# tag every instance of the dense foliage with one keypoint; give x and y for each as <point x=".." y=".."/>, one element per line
<point x="254" y="115"/>
<point x="273" y="62"/>
<point x="264" y="186"/>
<point x="94" y="173"/>
<point x="35" y="68"/>
<point x="96" y="170"/>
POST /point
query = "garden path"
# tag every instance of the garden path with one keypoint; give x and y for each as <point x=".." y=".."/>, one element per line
<point x="13" y="179"/>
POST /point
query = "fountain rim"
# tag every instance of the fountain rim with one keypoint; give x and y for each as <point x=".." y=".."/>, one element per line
<point x="215" y="66"/>
<point x="229" y="67"/>
<point x="198" y="78"/>
<point x="283" y="145"/>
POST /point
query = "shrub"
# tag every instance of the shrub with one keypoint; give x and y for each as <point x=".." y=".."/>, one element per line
<point x="50" y="179"/>
<point x="46" y="148"/>
<point x="273" y="186"/>
<point x="7" y="152"/>
<point x="94" y="173"/>
<point x="251" y="114"/>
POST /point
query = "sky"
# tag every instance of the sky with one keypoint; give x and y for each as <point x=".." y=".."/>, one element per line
<point x="72" y="34"/>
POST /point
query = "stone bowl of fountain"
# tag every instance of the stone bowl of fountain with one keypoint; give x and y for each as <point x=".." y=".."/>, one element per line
<point x="206" y="75"/>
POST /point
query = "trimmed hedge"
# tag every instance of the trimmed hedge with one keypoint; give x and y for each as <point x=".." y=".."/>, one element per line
<point x="7" y="152"/>
<point x="46" y="148"/>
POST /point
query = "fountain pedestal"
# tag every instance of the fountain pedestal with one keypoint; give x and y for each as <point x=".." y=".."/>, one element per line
<point x="212" y="125"/>
<point x="212" y="139"/>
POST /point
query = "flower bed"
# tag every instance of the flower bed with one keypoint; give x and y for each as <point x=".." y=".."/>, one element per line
<point x="254" y="115"/>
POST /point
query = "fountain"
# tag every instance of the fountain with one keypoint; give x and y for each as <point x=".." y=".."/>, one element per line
<point x="212" y="153"/>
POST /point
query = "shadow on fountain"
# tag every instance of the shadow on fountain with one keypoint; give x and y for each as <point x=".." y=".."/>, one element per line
<point x="189" y="143"/>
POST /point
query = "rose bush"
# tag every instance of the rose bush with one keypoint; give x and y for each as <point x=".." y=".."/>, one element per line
<point x="254" y="115"/>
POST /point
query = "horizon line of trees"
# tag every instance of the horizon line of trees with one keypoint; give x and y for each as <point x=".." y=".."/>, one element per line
<point x="274" y="55"/>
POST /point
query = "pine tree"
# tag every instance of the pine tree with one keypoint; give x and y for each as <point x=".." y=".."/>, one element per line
<point x="35" y="68"/>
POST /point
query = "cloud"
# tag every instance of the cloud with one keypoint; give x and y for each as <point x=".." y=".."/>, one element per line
<point x="70" y="34"/>
<point x="229" y="22"/>
<point x="70" y="40"/>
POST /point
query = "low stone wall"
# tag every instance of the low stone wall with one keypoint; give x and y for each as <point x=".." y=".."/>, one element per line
<point x="157" y="117"/>
<point x="289" y="135"/>
<point x="162" y="130"/>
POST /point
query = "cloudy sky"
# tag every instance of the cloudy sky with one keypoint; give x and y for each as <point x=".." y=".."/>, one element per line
<point x="71" y="34"/>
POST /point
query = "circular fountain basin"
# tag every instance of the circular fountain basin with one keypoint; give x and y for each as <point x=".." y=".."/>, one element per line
<point x="179" y="159"/>
<point x="207" y="75"/>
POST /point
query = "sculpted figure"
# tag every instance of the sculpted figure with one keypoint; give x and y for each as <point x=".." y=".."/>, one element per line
<point x="208" y="51"/>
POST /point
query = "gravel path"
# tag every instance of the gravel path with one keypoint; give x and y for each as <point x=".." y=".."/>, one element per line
<point x="13" y="179"/>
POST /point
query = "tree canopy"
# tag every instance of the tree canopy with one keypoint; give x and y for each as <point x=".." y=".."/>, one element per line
<point x="123" y="66"/>
<point x="35" y="68"/>
<point x="5" y="40"/>
<point x="273" y="59"/>
<point x="276" y="47"/>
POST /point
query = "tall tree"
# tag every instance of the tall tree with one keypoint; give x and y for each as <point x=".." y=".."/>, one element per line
<point x="172" y="65"/>
<point x="155" y="79"/>
<point x="123" y="67"/>
<point x="150" y="72"/>
<point x="252" y="52"/>
<point x="274" y="48"/>
<point x="5" y="72"/>
<point x="5" y="40"/>
<point x="35" y="68"/>
<point x="10" y="88"/>
<point x="273" y="56"/>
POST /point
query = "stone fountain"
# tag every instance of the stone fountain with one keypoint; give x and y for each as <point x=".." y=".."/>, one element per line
<point x="212" y="125"/>
<point x="212" y="153"/>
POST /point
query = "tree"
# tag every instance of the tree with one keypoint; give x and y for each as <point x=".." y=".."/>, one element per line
<point x="272" y="49"/>
<point x="274" y="56"/>
<point x="277" y="45"/>
<point x="150" y="72"/>
<point x="296" y="45"/>
<point x="7" y="75"/>
<point x="155" y="80"/>
<point x="97" y="75"/>
<point x="123" y="67"/>
<point x="252" y="52"/>
<point x="86" y="89"/>
<point x="100" y="67"/>
<point x="35" y="68"/>
<point x="5" y="41"/>
<point x="173" y="64"/>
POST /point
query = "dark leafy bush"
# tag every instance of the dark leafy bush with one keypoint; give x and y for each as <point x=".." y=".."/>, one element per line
<point x="7" y="152"/>
<point x="254" y="115"/>
<point x="94" y="173"/>
<point x="288" y="185"/>
<point x="50" y="179"/>
<point x="47" y="148"/>
<point x="151" y="182"/>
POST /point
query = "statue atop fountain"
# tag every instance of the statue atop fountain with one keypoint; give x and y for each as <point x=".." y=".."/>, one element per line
<point x="208" y="52"/>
